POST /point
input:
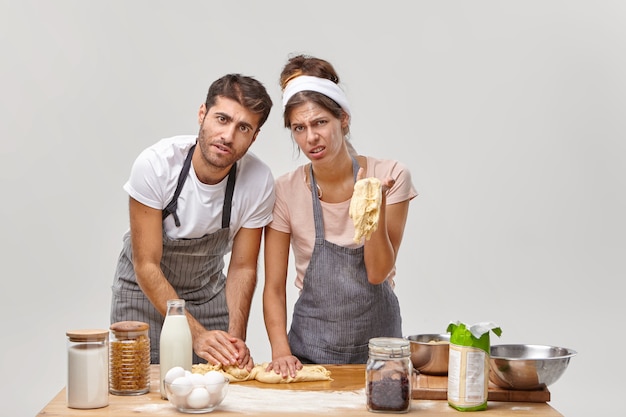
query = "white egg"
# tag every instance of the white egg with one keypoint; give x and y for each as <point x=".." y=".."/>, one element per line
<point x="198" y="398"/>
<point x="213" y="381"/>
<point x="213" y="377"/>
<point x="181" y="386"/>
<point x="174" y="373"/>
<point x="196" y="379"/>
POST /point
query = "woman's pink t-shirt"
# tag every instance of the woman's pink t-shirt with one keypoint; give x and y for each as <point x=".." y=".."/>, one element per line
<point x="293" y="210"/>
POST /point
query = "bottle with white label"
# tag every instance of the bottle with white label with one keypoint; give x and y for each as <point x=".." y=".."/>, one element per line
<point x="175" y="346"/>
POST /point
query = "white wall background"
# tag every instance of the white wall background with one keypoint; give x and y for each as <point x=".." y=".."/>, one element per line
<point x="509" y="114"/>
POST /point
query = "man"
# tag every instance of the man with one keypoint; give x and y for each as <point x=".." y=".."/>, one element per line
<point x="192" y="201"/>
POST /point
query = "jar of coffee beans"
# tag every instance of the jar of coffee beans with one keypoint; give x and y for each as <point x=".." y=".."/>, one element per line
<point x="388" y="375"/>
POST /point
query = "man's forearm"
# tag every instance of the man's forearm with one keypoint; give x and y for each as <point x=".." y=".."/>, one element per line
<point x="156" y="287"/>
<point x="240" y="288"/>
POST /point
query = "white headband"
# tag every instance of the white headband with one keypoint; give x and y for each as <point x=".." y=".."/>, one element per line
<point x="320" y="85"/>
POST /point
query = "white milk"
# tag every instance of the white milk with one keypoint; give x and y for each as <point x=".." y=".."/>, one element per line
<point x="176" y="347"/>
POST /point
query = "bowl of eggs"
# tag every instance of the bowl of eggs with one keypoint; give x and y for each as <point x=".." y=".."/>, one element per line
<point x="195" y="393"/>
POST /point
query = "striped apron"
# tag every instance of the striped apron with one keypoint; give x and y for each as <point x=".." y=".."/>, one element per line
<point x="338" y="310"/>
<point x="194" y="267"/>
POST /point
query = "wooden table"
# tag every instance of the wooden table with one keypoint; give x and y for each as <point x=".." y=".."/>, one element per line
<point x="343" y="396"/>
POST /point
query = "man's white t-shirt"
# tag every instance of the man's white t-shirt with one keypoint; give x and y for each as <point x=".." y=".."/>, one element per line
<point x="154" y="177"/>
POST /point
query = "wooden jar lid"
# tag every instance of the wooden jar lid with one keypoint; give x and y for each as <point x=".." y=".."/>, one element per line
<point x="129" y="326"/>
<point x="87" y="335"/>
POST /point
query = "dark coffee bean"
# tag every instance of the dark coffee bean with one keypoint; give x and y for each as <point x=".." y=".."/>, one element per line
<point x="389" y="394"/>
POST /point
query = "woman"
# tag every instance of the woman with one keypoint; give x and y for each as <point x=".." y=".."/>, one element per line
<point x="346" y="288"/>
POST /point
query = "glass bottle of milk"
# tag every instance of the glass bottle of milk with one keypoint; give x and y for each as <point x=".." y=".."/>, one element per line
<point x="175" y="346"/>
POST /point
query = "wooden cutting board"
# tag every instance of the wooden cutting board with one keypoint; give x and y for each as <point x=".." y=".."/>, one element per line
<point x="431" y="387"/>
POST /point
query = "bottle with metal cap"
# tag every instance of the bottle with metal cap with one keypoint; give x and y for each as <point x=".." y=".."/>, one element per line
<point x="87" y="368"/>
<point x="388" y="375"/>
<point x="129" y="358"/>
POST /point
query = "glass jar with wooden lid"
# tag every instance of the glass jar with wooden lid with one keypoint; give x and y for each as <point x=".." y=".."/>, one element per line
<point x="129" y="358"/>
<point x="87" y="370"/>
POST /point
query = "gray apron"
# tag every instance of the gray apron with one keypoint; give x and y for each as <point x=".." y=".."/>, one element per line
<point x="194" y="267"/>
<point x="338" y="310"/>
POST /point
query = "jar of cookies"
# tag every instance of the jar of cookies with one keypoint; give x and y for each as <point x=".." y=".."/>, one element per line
<point x="129" y="358"/>
<point x="388" y="375"/>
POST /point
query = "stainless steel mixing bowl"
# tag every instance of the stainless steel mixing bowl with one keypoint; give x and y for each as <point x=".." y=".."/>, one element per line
<point x="429" y="353"/>
<point x="527" y="367"/>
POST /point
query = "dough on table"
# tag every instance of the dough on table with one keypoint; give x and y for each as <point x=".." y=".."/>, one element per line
<point x="258" y="373"/>
<point x="365" y="207"/>
<point x="307" y="373"/>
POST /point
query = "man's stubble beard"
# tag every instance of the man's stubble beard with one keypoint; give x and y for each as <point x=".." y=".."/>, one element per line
<point x="211" y="159"/>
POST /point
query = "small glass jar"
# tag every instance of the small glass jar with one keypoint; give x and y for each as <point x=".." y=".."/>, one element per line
<point x="388" y="375"/>
<point x="129" y="358"/>
<point x="87" y="368"/>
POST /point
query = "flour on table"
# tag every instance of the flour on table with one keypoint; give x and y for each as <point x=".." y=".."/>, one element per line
<point x="242" y="399"/>
<point x="162" y="407"/>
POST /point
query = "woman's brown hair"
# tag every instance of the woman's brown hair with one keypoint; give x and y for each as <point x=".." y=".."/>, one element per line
<point x="315" y="67"/>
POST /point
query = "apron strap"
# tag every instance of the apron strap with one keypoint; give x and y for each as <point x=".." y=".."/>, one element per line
<point x="173" y="204"/>
<point x="230" y="188"/>
<point x="317" y="207"/>
<point x="228" y="198"/>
